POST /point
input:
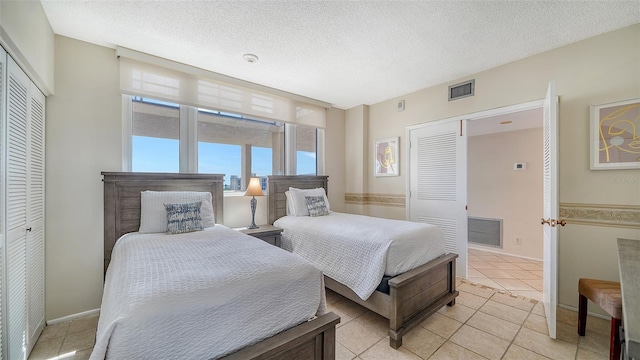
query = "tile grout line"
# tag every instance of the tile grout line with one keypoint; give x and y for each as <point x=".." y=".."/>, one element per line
<point x="463" y="324"/>
<point x="64" y="337"/>
<point x="518" y="332"/>
<point x="520" y="326"/>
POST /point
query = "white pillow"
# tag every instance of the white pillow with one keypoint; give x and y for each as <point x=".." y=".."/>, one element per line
<point x="289" y="205"/>
<point x="299" y="203"/>
<point x="153" y="215"/>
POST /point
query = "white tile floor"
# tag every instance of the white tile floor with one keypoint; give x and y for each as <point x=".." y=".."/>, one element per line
<point x="515" y="275"/>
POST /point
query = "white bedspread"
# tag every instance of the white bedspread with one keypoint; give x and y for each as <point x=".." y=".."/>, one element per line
<point x="358" y="250"/>
<point x="201" y="295"/>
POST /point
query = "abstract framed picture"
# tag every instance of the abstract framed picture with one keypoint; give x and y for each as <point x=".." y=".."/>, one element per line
<point x="615" y="135"/>
<point x="387" y="158"/>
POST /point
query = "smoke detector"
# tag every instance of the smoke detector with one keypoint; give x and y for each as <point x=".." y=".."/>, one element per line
<point x="250" y="58"/>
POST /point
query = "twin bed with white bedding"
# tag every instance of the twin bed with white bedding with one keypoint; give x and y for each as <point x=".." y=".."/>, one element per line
<point x="203" y="294"/>
<point x="358" y="251"/>
<point x="355" y="252"/>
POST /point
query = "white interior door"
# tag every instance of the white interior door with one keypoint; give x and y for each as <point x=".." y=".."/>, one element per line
<point x="438" y="183"/>
<point x="550" y="207"/>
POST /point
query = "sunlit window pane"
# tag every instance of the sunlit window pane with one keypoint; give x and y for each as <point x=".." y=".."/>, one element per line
<point x="155" y="144"/>
<point x="261" y="164"/>
<point x="236" y="137"/>
<point x="221" y="159"/>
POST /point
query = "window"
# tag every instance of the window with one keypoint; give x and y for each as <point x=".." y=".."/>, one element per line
<point x="305" y="150"/>
<point x="227" y="141"/>
<point x="214" y="158"/>
<point x="167" y="137"/>
<point x="155" y="137"/>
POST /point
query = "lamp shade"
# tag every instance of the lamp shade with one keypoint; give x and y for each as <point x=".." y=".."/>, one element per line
<point x="254" y="188"/>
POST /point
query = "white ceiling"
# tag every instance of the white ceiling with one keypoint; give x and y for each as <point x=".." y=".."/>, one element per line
<point x="521" y="120"/>
<point x="343" y="52"/>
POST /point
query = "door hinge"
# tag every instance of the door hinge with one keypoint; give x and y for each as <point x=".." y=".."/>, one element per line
<point x="466" y="207"/>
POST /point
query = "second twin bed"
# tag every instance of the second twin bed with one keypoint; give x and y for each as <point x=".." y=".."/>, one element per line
<point x="398" y="269"/>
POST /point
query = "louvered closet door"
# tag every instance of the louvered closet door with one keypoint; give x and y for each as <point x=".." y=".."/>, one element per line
<point x="438" y="183"/>
<point x="17" y="131"/>
<point x="3" y="71"/>
<point x="35" y="215"/>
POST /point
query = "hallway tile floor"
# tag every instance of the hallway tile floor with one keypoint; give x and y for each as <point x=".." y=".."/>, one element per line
<point x="515" y="275"/>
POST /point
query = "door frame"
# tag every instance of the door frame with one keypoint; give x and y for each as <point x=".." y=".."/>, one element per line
<point x="530" y="105"/>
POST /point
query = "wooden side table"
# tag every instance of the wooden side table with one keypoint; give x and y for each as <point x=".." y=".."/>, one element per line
<point x="267" y="233"/>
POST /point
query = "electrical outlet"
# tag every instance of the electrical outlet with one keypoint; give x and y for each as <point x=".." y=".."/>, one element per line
<point x="518" y="241"/>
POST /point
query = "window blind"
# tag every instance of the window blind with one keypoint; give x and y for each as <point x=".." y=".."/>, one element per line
<point x="149" y="76"/>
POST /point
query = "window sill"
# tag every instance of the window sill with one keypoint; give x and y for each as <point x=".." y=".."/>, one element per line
<point x="232" y="193"/>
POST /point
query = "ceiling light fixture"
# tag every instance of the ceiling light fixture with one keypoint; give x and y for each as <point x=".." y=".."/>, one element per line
<point x="250" y="58"/>
<point x="507" y="122"/>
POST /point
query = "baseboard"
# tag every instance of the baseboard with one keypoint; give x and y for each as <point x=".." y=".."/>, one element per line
<point x="73" y="316"/>
<point x="501" y="252"/>
<point x="573" y="308"/>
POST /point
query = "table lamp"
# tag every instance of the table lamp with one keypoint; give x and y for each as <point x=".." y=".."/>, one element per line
<point x="253" y="189"/>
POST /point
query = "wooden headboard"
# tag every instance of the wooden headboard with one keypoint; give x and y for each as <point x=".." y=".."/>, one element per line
<point x="279" y="184"/>
<point x="122" y="199"/>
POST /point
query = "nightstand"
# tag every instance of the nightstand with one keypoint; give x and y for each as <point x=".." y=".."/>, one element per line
<point x="268" y="233"/>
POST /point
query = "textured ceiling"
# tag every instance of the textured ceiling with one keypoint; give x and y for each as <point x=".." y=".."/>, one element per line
<point x="343" y="52"/>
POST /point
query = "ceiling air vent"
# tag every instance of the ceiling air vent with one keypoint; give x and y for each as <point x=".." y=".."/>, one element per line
<point x="462" y="90"/>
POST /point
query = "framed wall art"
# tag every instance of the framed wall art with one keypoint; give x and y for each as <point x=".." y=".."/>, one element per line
<point x="615" y="135"/>
<point x="387" y="158"/>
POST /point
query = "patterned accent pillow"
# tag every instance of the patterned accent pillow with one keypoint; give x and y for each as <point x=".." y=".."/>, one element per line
<point x="316" y="205"/>
<point x="183" y="218"/>
<point x="298" y="205"/>
<point x="153" y="215"/>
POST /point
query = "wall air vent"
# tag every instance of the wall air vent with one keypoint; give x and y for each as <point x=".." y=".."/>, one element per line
<point x="485" y="231"/>
<point x="462" y="90"/>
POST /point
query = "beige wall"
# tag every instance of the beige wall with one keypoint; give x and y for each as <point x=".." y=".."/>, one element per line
<point x="495" y="190"/>
<point x="594" y="71"/>
<point x="334" y="152"/>
<point x="356" y="129"/>
<point x="83" y="138"/>
<point x="26" y="34"/>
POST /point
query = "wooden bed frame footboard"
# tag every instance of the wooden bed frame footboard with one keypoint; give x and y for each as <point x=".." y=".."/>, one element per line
<point x="315" y="339"/>
<point x="414" y="295"/>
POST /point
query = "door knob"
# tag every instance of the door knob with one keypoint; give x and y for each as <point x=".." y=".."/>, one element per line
<point x="553" y="222"/>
